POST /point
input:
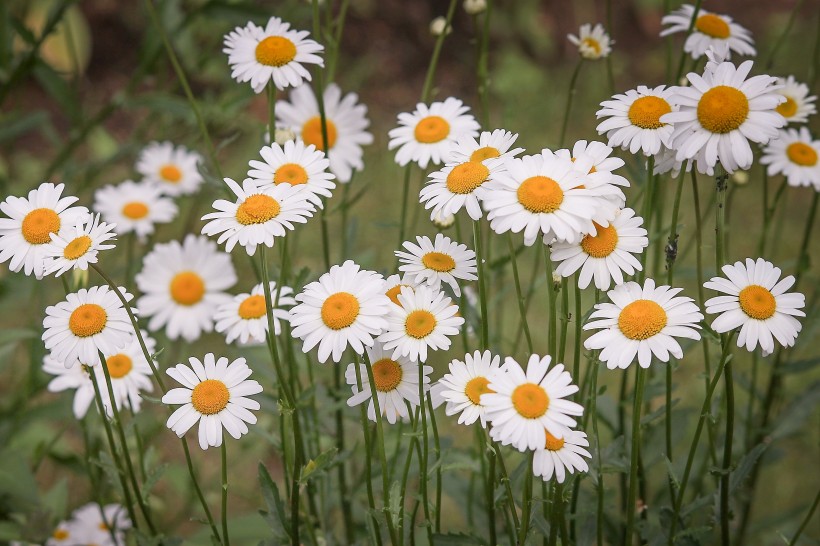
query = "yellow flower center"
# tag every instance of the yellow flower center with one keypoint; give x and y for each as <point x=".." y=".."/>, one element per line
<point x="438" y="261"/>
<point x="291" y="173"/>
<point x="592" y="44"/>
<point x="77" y="247"/>
<point x="419" y="324"/>
<point x="487" y="152"/>
<point x="646" y="112"/>
<point x="312" y="133"/>
<point x="60" y="534"/>
<point x="39" y="224"/>
<point x="788" y="108"/>
<point x="540" y="194"/>
<point x="187" y="288"/>
<point x="466" y="177"/>
<point x="394" y="292"/>
<point x="210" y="397"/>
<point x="642" y="319"/>
<point x="252" y="307"/>
<point x="712" y="25"/>
<point x="275" y="51"/>
<point x="432" y="129"/>
<point x="87" y="320"/>
<point x="802" y="154"/>
<point x="170" y="173"/>
<point x="476" y="387"/>
<point x="340" y="310"/>
<point x="553" y="443"/>
<point x="135" y="210"/>
<point x="723" y="109"/>
<point x="257" y="209"/>
<point x="603" y="243"/>
<point x="119" y="365"/>
<point x="530" y="400"/>
<point x="387" y="375"/>
<point x="757" y="302"/>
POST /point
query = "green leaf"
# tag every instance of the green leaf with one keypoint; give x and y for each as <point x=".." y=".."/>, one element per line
<point x="317" y="467"/>
<point x="456" y="539"/>
<point x="16" y="480"/>
<point x="745" y="466"/>
<point x="395" y="500"/>
<point x="154" y="474"/>
<point x="275" y="516"/>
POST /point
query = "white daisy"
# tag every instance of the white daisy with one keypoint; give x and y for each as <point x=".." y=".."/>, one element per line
<point x="599" y="158"/>
<point x="798" y="105"/>
<point x="77" y="247"/>
<point x="346" y="122"/>
<point x="272" y="53"/>
<point x="561" y="455"/>
<point x="430" y="132"/>
<point x="642" y="321"/>
<point x="182" y="286"/>
<point x="89" y="528"/>
<point x="425" y="318"/>
<point x="396" y="381"/>
<point x="709" y="30"/>
<point x="488" y="146"/>
<point x="435" y="262"/>
<point x="757" y="303"/>
<point x="721" y="112"/>
<point x="394" y="283"/>
<point x="134" y="207"/>
<point x="606" y="255"/>
<point x="457" y="186"/>
<point x="30" y="223"/>
<point x="467" y="381"/>
<point x="244" y="318"/>
<point x="62" y="535"/>
<point x="523" y="407"/>
<point x="794" y="154"/>
<point x="593" y="43"/>
<point x="173" y="169"/>
<point x="73" y="378"/>
<point x="346" y="306"/>
<point x="88" y="322"/>
<point x="215" y="394"/>
<point x="296" y="164"/>
<point x="634" y="119"/>
<point x="666" y="162"/>
<point x="259" y="215"/>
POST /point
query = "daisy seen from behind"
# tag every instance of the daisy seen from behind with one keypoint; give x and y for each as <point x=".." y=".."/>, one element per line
<point x="296" y="164"/>
<point x="560" y="456"/>
<point x="466" y="381"/>
<point x="710" y="30"/>
<point x="633" y="119"/>
<point x="794" y="155"/>
<point x="434" y="262"/>
<point x="78" y="246"/>
<point x="134" y="207"/>
<point x="173" y="169"/>
<point x="244" y="318"/>
<point x="798" y="105"/>
<point x="593" y="42"/>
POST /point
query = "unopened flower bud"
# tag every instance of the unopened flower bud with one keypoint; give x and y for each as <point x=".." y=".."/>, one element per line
<point x="443" y="221"/>
<point x="438" y="26"/>
<point x="282" y="135"/>
<point x="740" y="178"/>
<point x="474" y="7"/>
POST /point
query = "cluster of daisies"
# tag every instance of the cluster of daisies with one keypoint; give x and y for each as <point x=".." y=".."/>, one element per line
<point x="90" y="524"/>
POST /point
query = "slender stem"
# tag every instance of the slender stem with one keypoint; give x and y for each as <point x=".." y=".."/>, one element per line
<point x="551" y="296"/>
<point x="337" y="40"/>
<point x="599" y="486"/>
<point x="93" y="478"/>
<point x="727" y="455"/>
<point x="485" y="452"/>
<point x="225" y="540"/>
<point x="782" y="38"/>
<point x="576" y="357"/>
<point x="371" y="500"/>
<point x="271" y="113"/>
<point x="647" y="212"/>
<point x="482" y="286"/>
<point x="634" y="455"/>
<point x="404" y="205"/>
<point x="570" y="95"/>
<point x="564" y="319"/>
<point x="482" y="71"/>
<point x="198" y="489"/>
<point x="344" y="496"/>
<point x="423" y="457"/>
<point x="806" y="520"/>
<point x="526" y="501"/>
<point x="431" y="69"/>
<point x="720" y="217"/>
<point x="519" y="296"/>
<point x="672" y="241"/>
<point x="802" y="258"/>
<point x="437" y="452"/>
<point x="683" y="54"/>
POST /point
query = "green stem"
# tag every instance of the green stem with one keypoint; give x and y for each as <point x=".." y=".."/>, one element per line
<point x="423" y="457"/>
<point x="782" y="38"/>
<point x="564" y="319"/>
<point x="482" y="70"/>
<point x="431" y="69"/>
<point x="553" y="327"/>
<point x="526" y="501"/>
<point x="482" y="287"/>
<point x="487" y="453"/>
<point x="371" y="500"/>
<point x="634" y="455"/>
<point x="683" y="54"/>
<point x="519" y="295"/>
<point x="576" y="356"/>
<point x="647" y="213"/>
<point x="570" y="95"/>
<point x="344" y="496"/>
<point x="599" y="487"/>
<point x="404" y="202"/>
<point x="727" y="455"/>
<point x="199" y="494"/>
<point x="806" y="520"/>
<point x="437" y="452"/>
<point x="225" y="540"/>
<point x="337" y="40"/>
<point x="271" y="113"/>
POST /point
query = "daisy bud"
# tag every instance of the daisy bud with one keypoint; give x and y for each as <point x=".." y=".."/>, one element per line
<point x="282" y="135"/>
<point x="556" y="281"/>
<point x="741" y="178"/>
<point x="443" y="221"/>
<point x="438" y="26"/>
<point x="80" y="277"/>
<point x="474" y="7"/>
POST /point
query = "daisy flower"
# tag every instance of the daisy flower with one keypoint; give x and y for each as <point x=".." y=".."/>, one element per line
<point x="757" y="303"/>
<point x="172" y="169"/>
<point x="606" y="255"/>
<point x="794" y="155"/>
<point x="272" y="53"/>
<point x="346" y="122"/>
<point x="62" y="534"/>
<point x="435" y="262"/>
<point x="92" y="524"/>
<point x="641" y="322"/>
<point x="457" y="186"/>
<point x="346" y="306"/>
<point x="296" y="164"/>
<point x="78" y="246"/>
<point x="73" y="378"/>
<point x="525" y="406"/>
<point x="709" y="30"/>
<point x="259" y="215"/>
<point x="245" y="318"/>
<point x="598" y="156"/>
<point x="429" y="133"/>
<point x="425" y="318"/>
<point x="394" y="283"/>
<point x="561" y="455"/>
<point x="30" y="224"/>
<point x="396" y="381"/>
<point x="88" y="322"/>
<point x="215" y="394"/>
<point x="130" y="206"/>
<point x="721" y="112"/>
<point x="467" y="381"/>
<point x="634" y="119"/>
<point x="489" y="145"/>
<point x="593" y="43"/>
<point x="182" y="286"/>
<point x="798" y="106"/>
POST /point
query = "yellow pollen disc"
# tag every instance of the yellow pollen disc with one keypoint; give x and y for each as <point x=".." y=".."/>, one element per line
<point x="135" y="210"/>
<point x="438" y="261"/>
<point x="210" y="397"/>
<point x="77" y="247"/>
<point x="257" y="209"/>
<point x="787" y="109"/>
<point x="419" y="324"/>
<point x="275" y="51"/>
<point x="723" y="109"/>
<point x="487" y="152"/>
<point x="713" y="25"/>
<point x="170" y="173"/>
<point x="540" y="194"/>
<point x="187" y="288"/>
<point x="252" y="307"/>
<point x="394" y="292"/>
<point x="530" y="400"/>
<point x="553" y="443"/>
<point x="60" y="534"/>
<point x="39" y="224"/>
<point x="466" y="177"/>
<point x="642" y="319"/>
<point x="432" y="129"/>
<point x="476" y="387"/>
<point x="340" y="310"/>
<point x="87" y="320"/>
<point x="757" y="302"/>
<point x="603" y="243"/>
<point x="312" y="133"/>
<point x="387" y="375"/>
<point x="103" y="526"/>
<point x="802" y="154"/>
<point x="646" y="112"/>
<point x="291" y="173"/>
<point x="592" y="44"/>
<point x="119" y="366"/>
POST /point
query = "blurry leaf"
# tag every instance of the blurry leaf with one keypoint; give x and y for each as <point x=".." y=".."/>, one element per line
<point x="316" y="467"/>
<point x="794" y="417"/>
<point x="56" y="500"/>
<point x="106" y="463"/>
<point x="657" y="414"/>
<point x="154" y="474"/>
<point x="670" y="470"/>
<point x="275" y="516"/>
<point x="56" y="86"/>
<point x="11" y="335"/>
<point x="798" y="366"/>
<point x="16" y="125"/>
<point x="395" y="499"/>
<point x="456" y="539"/>
<point x="745" y="466"/>
<point x="16" y="480"/>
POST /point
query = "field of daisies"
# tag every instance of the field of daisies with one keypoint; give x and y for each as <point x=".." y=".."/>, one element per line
<point x="352" y="272"/>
